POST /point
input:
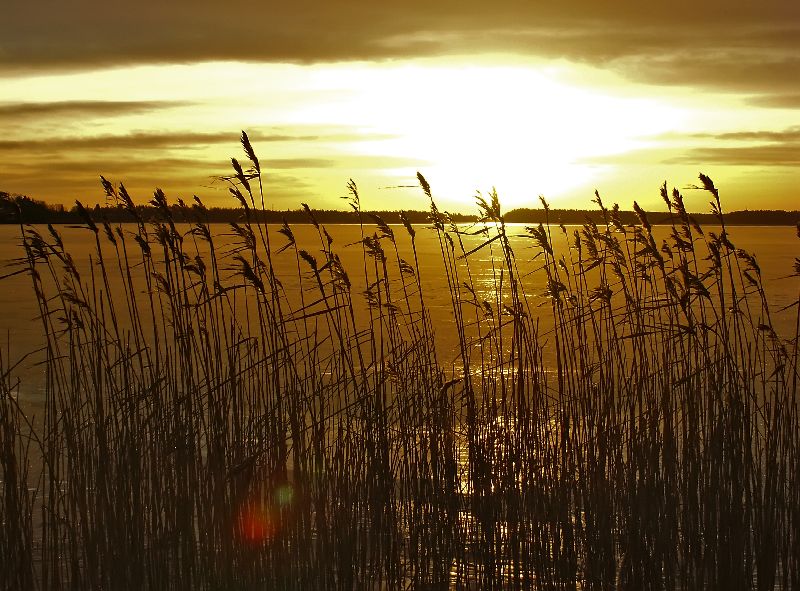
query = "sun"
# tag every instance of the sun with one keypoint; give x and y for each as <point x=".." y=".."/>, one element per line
<point x="517" y="128"/>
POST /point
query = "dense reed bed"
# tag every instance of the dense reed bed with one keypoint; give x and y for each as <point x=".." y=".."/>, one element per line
<point x="207" y="427"/>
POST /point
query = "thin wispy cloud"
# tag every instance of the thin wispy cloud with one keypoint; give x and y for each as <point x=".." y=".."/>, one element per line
<point x="776" y="101"/>
<point x="763" y="155"/>
<point x="15" y="111"/>
<point x="177" y="177"/>
<point x="147" y="141"/>
<point x="788" y="135"/>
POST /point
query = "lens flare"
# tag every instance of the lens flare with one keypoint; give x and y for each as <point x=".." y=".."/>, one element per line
<point x="284" y="495"/>
<point x="255" y="525"/>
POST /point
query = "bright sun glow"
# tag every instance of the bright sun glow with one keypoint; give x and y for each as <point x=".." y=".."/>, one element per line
<point x="473" y="127"/>
<point x="525" y="128"/>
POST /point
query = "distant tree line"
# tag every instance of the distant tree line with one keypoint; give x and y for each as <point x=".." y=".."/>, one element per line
<point x="765" y="217"/>
<point x="20" y="208"/>
<point x="14" y="208"/>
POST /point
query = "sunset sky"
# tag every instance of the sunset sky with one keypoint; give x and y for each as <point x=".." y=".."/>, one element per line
<point x="534" y="98"/>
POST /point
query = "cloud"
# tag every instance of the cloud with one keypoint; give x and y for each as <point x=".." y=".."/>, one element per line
<point x="58" y="109"/>
<point x="734" y="70"/>
<point x="776" y="101"/>
<point x="741" y="46"/>
<point x="788" y="135"/>
<point x="147" y="141"/>
<point x="65" y="168"/>
<point x="64" y="180"/>
<point x="761" y="148"/>
<point x="764" y="155"/>
<point x="751" y="148"/>
<point x="185" y="140"/>
<point x="153" y="168"/>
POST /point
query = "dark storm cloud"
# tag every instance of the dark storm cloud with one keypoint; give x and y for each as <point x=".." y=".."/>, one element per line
<point x="744" y="46"/>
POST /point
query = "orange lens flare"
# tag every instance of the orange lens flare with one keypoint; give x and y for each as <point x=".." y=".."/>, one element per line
<point x="255" y="525"/>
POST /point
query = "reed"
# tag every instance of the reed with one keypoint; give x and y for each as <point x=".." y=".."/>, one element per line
<point x="618" y="414"/>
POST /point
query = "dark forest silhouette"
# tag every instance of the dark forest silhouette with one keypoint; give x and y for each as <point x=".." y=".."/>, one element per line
<point x="20" y="208"/>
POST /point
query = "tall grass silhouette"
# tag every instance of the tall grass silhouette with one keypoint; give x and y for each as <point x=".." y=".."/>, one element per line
<point x="207" y="427"/>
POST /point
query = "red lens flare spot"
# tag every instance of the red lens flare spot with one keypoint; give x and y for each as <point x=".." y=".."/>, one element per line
<point x="255" y="525"/>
